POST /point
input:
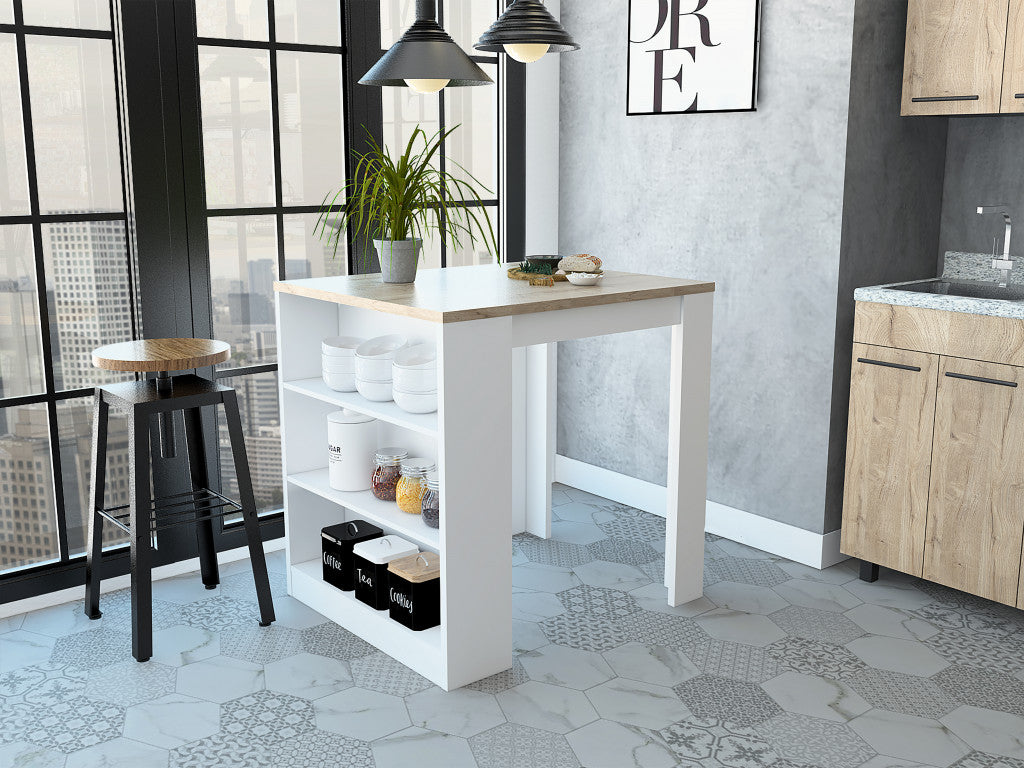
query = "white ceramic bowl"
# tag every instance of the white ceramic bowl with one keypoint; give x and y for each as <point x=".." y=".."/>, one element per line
<point x="583" y="278"/>
<point x="374" y="391"/>
<point x="338" y="364"/>
<point x="373" y="368"/>
<point x="415" y="379"/>
<point x="417" y="356"/>
<point x="340" y="346"/>
<point x="415" y="402"/>
<point x="381" y="346"/>
<point x="340" y="382"/>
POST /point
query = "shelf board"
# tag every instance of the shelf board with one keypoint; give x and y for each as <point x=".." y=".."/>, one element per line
<point x="424" y="423"/>
<point x="385" y="513"/>
<point x="422" y="651"/>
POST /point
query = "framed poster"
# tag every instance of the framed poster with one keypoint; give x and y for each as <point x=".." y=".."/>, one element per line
<point x="692" y="56"/>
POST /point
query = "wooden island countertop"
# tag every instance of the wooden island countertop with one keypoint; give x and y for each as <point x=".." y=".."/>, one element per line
<point x="458" y="294"/>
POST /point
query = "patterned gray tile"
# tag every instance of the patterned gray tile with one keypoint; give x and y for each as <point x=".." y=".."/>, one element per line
<point x="220" y="750"/>
<point x="981" y="620"/>
<point x="502" y="681"/>
<point x="762" y="573"/>
<point x="599" y="602"/>
<point x="267" y="717"/>
<point x="623" y="551"/>
<point x="221" y="613"/>
<point x="379" y="672"/>
<point x="725" y="699"/>
<point x="816" y="658"/>
<point x="131" y="683"/>
<point x="242" y="587"/>
<point x="117" y="612"/>
<point x="808" y="740"/>
<point x="578" y="630"/>
<point x="551" y="552"/>
<point x="328" y="639"/>
<point x="983" y="688"/>
<point x="70" y="724"/>
<point x="511" y="745"/>
<point x="736" y="660"/>
<point x="321" y="749"/>
<point x="89" y="650"/>
<point x="816" y="625"/>
<point x="1003" y="654"/>
<point x="982" y="760"/>
<point x="897" y="692"/>
<point x="260" y="645"/>
<point x="650" y="628"/>
<point x="716" y="742"/>
<point x="42" y="683"/>
<point x="645" y="527"/>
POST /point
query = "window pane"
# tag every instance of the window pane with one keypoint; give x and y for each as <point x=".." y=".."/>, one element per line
<point x="312" y="126"/>
<point x="232" y="19"/>
<point x="238" y="144"/>
<point x="314" y="22"/>
<point x="74" y="429"/>
<point x="6" y="12"/>
<point x="28" y="525"/>
<point x="21" y="345"/>
<point x="430" y="258"/>
<point x="243" y="268"/>
<point x="477" y="253"/>
<point x="13" y="178"/>
<point x="473" y="145"/>
<point x="466" y="20"/>
<point x="88" y="281"/>
<point x="305" y="255"/>
<point x="74" y="122"/>
<point x="257" y="403"/>
<point x="77" y="14"/>
<point x="396" y="16"/>
<point x="403" y="110"/>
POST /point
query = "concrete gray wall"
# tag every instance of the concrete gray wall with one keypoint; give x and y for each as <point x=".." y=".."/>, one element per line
<point x="753" y="201"/>
<point x="984" y="166"/>
<point x="891" y="204"/>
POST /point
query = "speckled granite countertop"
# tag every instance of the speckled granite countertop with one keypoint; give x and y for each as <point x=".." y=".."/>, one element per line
<point x="958" y="266"/>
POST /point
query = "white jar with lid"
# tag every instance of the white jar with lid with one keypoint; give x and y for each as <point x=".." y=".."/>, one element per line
<point x="351" y="445"/>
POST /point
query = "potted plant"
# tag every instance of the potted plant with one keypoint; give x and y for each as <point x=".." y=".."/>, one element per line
<point x="396" y="203"/>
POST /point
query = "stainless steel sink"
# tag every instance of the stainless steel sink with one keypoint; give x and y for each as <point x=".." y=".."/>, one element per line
<point x="967" y="288"/>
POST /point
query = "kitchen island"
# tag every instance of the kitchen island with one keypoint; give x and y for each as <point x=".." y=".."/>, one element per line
<point x="492" y="437"/>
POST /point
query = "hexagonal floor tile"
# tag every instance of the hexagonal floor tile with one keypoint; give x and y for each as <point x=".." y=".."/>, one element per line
<point x="626" y="551"/>
<point x="983" y="688"/>
<point x="653" y="664"/>
<point x="652" y="628"/>
<point x="906" y="656"/>
<point x="21" y="648"/>
<point x="807" y="740"/>
<point x="816" y="697"/>
<point x="118" y="752"/>
<point x="569" y="667"/>
<point x="220" y="678"/>
<point x="580" y="630"/>
<point x="329" y="639"/>
<point x="59" y="620"/>
<point x="764" y="573"/>
<point x="462" y="712"/>
<point x="634" y="703"/>
<point x="361" y="714"/>
<point x="714" y="742"/>
<point x="547" y="707"/>
<point x="171" y="721"/>
<point x="737" y="627"/>
<point x="1002" y="654"/>
<point x="736" y="660"/>
<point x="601" y="573"/>
<point x="813" y="624"/>
<point x="267" y="717"/>
<point x="44" y="683"/>
<point x="22" y="753"/>
<point x="308" y="676"/>
<point x="598" y="602"/>
<point x="535" y="606"/>
<point x="747" y="598"/>
<point x="221" y="750"/>
<point x="183" y="644"/>
<point x="321" y="749"/>
<point x="891" y="594"/>
<point x="721" y="698"/>
<point x="816" y="658"/>
<point x="503" y="680"/>
<point x="576" y="532"/>
<point x="654" y="597"/>
<point x="997" y="733"/>
<point x="293" y="614"/>
<point x="380" y="672"/>
<point x="909" y="737"/>
<point x="559" y="554"/>
<point x="511" y="745"/>
<point x="130" y="682"/>
<point x="67" y="724"/>
<point x="896" y="692"/>
<point x="879" y="620"/>
<point x="543" y="578"/>
<point x="260" y="645"/>
<point x="818" y="594"/>
<point x="606" y="744"/>
<point x="405" y="748"/>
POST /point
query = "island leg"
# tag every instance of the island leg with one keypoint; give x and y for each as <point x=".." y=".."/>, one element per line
<point x="689" y="404"/>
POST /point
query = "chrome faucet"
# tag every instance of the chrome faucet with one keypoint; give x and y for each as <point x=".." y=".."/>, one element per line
<point x="1005" y="264"/>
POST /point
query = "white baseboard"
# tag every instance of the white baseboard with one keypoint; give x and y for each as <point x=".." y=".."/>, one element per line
<point x="120" y="582"/>
<point x="813" y="549"/>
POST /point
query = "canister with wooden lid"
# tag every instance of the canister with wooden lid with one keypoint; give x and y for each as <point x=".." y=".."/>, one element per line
<point x="415" y="590"/>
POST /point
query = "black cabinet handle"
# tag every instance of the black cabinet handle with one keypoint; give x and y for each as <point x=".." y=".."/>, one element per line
<point x="1018" y="95"/>
<point x="945" y="98"/>
<point x="889" y="365"/>
<point x="981" y="379"/>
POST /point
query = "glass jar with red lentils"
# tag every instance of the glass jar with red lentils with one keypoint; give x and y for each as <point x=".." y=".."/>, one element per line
<point x="387" y="472"/>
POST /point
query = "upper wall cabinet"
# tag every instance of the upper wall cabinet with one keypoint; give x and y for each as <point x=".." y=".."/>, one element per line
<point x="1013" y="72"/>
<point x="954" y="62"/>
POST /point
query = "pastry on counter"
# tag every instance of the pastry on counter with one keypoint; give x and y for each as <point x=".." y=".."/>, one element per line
<point x="581" y="262"/>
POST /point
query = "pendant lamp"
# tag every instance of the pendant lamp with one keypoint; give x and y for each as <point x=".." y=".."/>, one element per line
<point x="425" y="58"/>
<point x="526" y="31"/>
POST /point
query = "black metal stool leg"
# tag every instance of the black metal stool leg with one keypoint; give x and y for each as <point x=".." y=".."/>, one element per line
<point x="94" y="551"/>
<point x="248" y="501"/>
<point x="200" y="480"/>
<point x="141" y="536"/>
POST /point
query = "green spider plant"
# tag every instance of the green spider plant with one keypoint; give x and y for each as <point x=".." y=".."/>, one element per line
<point x="398" y="199"/>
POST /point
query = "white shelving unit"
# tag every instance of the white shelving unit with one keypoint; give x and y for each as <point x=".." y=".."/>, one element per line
<point x="492" y="438"/>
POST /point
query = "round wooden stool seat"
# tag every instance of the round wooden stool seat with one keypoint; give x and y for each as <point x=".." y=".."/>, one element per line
<point x="157" y="355"/>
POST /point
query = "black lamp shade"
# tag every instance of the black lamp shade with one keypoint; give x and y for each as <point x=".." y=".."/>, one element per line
<point x="526" y="22"/>
<point x="425" y="52"/>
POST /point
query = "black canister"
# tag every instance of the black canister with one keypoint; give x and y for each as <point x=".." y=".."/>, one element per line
<point x="370" y="565"/>
<point x="414" y="589"/>
<point x="338" y="541"/>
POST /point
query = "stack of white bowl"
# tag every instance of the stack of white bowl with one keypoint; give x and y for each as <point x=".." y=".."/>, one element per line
<point x="338" y="356"/>
<point x="373" y="366"/>
<point x="414" y="376"/>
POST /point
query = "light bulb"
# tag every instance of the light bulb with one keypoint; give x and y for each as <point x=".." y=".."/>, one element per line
<point x="427" y="85"/>
<point x="527" y="53"/>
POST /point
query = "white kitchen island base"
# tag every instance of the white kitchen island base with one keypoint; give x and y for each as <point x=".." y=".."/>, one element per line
<point x="492" y="437"/>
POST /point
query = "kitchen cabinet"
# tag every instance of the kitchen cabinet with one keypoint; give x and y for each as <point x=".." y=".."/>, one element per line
<point x="1013" y="67"/>
<point x="976" y="503"/>
<point x="955" y="56"/>
<point x="892" y="402"/>
<point x="935" y="448"/>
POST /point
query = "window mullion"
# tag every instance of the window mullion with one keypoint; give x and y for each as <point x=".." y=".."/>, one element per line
<point x="275" y="132"/>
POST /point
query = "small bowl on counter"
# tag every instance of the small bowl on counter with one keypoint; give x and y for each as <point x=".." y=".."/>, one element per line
<point x="583" y="278"/>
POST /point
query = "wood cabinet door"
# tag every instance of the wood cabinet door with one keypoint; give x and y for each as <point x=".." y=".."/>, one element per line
<point x="976" y="500"/>
<point x="953" y="63"/>
<point x="1013" y="65"/>
<point x="888" y="451"/>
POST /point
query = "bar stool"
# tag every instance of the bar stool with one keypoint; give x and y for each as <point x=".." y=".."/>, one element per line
<point x="144" y="515"/>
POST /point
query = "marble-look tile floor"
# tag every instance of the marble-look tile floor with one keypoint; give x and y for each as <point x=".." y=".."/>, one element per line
<point x="778" y="666"/>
